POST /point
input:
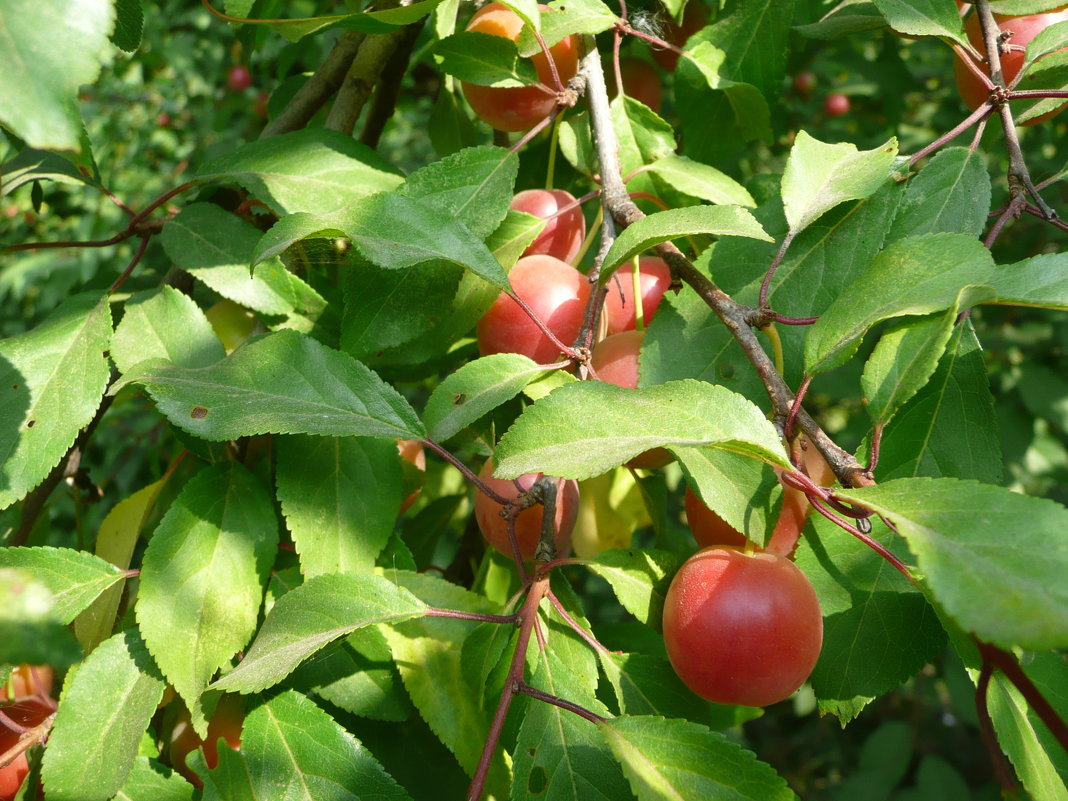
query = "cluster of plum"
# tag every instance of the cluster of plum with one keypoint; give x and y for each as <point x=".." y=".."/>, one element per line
<point x="741" y="624"/>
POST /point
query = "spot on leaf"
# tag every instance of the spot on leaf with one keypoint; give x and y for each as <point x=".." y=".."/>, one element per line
<point x="537" y="781"/>
<point x="198" y="413"/>
<point x="459" y="399"/>
<point x="31" y="423"/>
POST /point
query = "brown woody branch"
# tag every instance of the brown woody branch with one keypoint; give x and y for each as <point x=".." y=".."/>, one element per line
<point x="737" y="317"/>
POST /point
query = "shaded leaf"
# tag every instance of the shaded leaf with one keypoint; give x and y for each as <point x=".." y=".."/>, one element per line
<point x="339" y="496"/>
<point x="308" y="617"/>
<point x="202" y="578"/>
<point x="53" y="378"/>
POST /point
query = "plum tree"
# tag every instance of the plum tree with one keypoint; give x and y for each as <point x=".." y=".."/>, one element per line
<point x="742" y="628"/>
<point x="528" y="522"/>
<point x="518" y="108"/>
<point x="564" y="230"/>
<point x="555" y="291"/>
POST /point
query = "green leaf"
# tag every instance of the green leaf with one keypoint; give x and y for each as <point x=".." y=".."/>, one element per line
<point x="484" y="59"/>
<point x="41" y="80"/>
<point x="428" y="652"/>
<point x="53" y="378"/>
<point x="148" y="781"/>
<point x="30" y="630"/>
<point x="1035" y="754"/>
<point x="951" y="193"/>
<point x="950" y="427"/>
<point x="676" y="759"/>
<point x="914" y="276"/>
<point x="819" y="176"/>
<point x="559" y="436"/>
<point x="563" y="18"/>
<point x="992" y="557"/>
<point x="129" y="25"/>
<point x="294" y="750"/>
<point x="75" y="578"/>
<point x="903" y="361"/>
<point x="1049" y="73"/>
<point x="32" y="165"/>
<point x="923" y="18"/>
<point x="476" y="389"/>
<point x="648" y="685"/>
<point x="640" y="580"/>
<point x="701" y="181"/>
<point x="743" y="491"/>
<point x="687" y="340"/>
<point x="279" y="383"/>
<point x="558" y="754"/>
<point x="878" y="630"/>
<point x="643" y="139"/>
<point x="386" y="308"/>
<point x="357" y="674"/>
<point x="1040" y="281"/>
<point x="313" y="170"/>
<point x="1048" y="40"/>
<point x="393" y="231"/>
<point x="755" y="38"/>
<point x="115" y="543"/>
<point x="202" y="578"/>
<point x="106" y="707"/>
<point x="703" y="93"/>
<point x="474" y="185"/>
<point x="847" y="17"/>
<point x="339" y="496"/>
<point x="163" y="323"/>
<point x="216" y="247"/>
<point x="308" y="617"/>
<point x="678" y="223"/>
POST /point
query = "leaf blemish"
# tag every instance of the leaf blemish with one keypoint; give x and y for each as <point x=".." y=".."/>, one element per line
<point x="31" y="423"/>
<point x="198" y="413"/>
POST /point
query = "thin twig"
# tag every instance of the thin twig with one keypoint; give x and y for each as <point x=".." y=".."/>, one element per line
<point x="736" y="317"/>
<point x="556" y="700"/>
<point x="528" y="615"/>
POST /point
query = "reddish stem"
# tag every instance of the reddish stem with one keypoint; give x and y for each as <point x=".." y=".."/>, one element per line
<point x="457" y="614"/>
<point x="527" y="616"/>
<point x="556" y="700"/>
